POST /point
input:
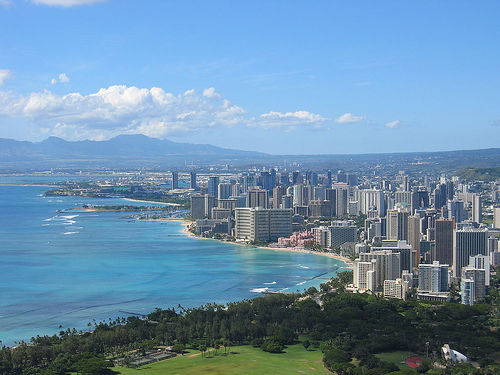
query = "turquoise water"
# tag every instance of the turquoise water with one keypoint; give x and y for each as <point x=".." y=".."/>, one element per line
<point x="64" y="270"/>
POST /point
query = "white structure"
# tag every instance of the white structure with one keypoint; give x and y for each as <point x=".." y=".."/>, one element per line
<point x="477" y="210"/>
<point x="496" y="217"/>
<point x="481" y="262"/>
<point x="387" y="266"/>
<point x="262" y="225"/>
<point x="467" y="287"/>
<point x="433" y="278"/>
<point x="364" y="275"/>
<point x="371" y="200"/>
<point x="395" y="289"/>
<point x="452" y="355"/>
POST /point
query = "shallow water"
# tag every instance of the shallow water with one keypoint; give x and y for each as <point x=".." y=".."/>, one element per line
<point x="64" y="270"/>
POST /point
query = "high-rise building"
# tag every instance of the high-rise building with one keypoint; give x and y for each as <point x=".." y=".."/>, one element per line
<point x="397" y="224"/>
<point x="478" y="275"/>
<point x="213" y="183"/>
<point x="387" y="266"/>
<point x="262" y="225"/>
<point x="481" y="262"/>
<point x="414" y="232"/>
<point x="467" y="243"/>
<point x="342" y="232"/>
<point x="395" y="289"/>
<point x="364" y="275"/>
<point x="456" y="210"/>
<point x="342" y="199"/>
<point x="496" y="217"/>
<point x="319" y="208"/>
<point x="467" y="286"/>
<point x="443" y="234"/>
<point x="201" y="206"/>
<point x="278" y="193"/>
<point x="298" y="195"/>
<point x="175" y="180"/>
<point x="192" y="180"/>
<point x="371" y="200"/>
<point x="197" y="207"/>
<point x="224" y="190"/>
<point x="433" y="278"/>
<point x="406" y="259"/>
<point x="477" y="210"/>
<point x="257" y="197"/>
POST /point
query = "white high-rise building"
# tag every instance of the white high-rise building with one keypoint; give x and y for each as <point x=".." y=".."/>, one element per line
<point x="496" y="217"/>
<point x="364" y="275"/>
<point x="395" y="289"/>
<point x="481" y="262"/>
<point x="387" y="266"/>
<point x="477" y="210"/>
<point x="262" y="225"/>
<point x="397" y="224"/>
<point x="433" y="278"/>
<point x="371" y="200"/>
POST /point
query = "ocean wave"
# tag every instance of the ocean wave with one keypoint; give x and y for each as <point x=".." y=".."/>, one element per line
<point x="302" y="282"/>
<point x="66" y="233"/>
<point x="69" y="222"/>
<point x="69" y="217"/>
<point x="305" y="267"/>
<point x="271" y="283"/>
<point x="259" y="290"/>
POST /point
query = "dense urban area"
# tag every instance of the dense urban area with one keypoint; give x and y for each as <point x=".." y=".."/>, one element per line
<point x="423" y="248"/>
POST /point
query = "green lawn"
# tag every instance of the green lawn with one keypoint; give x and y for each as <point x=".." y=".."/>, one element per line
<point x="244" y="360"/>
<point x="395" y="357"/>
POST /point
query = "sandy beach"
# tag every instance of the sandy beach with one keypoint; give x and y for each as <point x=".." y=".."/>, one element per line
<point x="187" y="223"/>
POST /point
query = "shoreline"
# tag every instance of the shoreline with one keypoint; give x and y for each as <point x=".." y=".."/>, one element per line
<point x="186" y="223"/>
<point x="143" y="201"/>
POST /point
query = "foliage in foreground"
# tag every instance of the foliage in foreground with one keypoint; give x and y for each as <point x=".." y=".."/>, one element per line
<point x="348" y="326"/>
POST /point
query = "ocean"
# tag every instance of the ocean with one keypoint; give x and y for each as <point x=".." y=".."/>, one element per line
<point x="69" y="269"/>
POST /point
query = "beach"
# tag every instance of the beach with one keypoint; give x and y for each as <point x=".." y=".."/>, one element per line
<point x="155" y="202"/>
<point x="187" y="223"/>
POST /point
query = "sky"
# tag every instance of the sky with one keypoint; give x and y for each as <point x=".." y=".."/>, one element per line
<point x="282" y="77"/>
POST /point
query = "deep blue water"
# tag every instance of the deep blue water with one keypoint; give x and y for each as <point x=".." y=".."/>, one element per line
<point x="64" y="270"/>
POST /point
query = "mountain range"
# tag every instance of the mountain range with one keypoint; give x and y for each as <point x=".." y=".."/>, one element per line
<point x="137" y="151"/>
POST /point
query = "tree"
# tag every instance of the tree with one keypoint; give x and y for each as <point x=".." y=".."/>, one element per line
<point x="178" y="348"/>
<point x="306" y="344"/>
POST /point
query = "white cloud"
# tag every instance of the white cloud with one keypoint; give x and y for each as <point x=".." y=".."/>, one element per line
<point x="4" y="75"/>
<point x="289" y="120"/>
<point x="393" y="124"/>
<point x="121" y="109"/>
<point x="211" y="93"/>
<point x="62" y="78"/>
<point x="66" y="3"/>
<point x="5" y="3"/>
<point x="151" y="111"/>
<point x="349" y="118"/>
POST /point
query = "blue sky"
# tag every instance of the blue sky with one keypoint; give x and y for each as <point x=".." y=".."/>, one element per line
<point x="275" y="76"/>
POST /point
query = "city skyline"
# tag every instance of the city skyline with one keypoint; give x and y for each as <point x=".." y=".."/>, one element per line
<point x="289" y="78"/>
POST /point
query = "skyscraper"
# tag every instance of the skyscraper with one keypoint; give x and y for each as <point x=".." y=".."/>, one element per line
<point x="213" y="183"/>
<point x="258" y="197"/>
<point x="224" y="190"/>
<point x="397" y="224"/>
<point x="433" y="278"/>
<point x="477" y="210"/>
<point x="175" y="180"/>
<point x="467" y="243"/>
<point x="192" y="180"/>
<point x="443" y="233"/>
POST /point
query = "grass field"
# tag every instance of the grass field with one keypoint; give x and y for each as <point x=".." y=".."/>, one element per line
<point x="244" y="360"/>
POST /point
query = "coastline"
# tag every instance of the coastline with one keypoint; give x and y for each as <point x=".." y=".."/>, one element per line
<point x="187" y="223"/>
<point x="143" y="201"/>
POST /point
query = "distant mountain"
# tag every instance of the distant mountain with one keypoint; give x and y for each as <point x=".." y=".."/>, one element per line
<point x="123" y="149"/>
